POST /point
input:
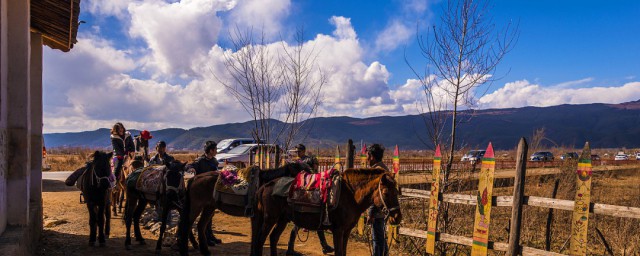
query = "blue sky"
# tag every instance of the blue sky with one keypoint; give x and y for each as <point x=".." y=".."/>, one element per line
<point x="149" y="63"/>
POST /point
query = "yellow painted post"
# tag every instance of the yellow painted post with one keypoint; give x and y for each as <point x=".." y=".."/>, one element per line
<point x="392" y="230"/>
<point x="580" y="220"/>
<point x="432" y="223"/>
<point x="483" y="207"/>
<point x="268" y="165"/>
<point x="337" y="163"/>
<point x="363" y="164"/>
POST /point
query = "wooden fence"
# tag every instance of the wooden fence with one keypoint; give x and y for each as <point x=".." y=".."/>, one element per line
<point x="516" y="202"/>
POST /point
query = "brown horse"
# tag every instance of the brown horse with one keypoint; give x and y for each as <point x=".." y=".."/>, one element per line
<point x="96" y="188"/>
<point x="360" y="188"/>
<point x="117" y="194"/>
<point x="199" y="200"/>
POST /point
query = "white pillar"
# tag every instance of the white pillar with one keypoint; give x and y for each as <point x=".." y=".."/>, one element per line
<point x="3" y="115"/>
<point x="36" y="118"/>
<point x="18" y="120"/>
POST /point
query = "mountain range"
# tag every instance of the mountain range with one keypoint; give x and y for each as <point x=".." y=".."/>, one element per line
<point x="603" y="125"/>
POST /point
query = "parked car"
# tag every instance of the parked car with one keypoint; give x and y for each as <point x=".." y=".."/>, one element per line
<point x="595" y="157"/>
<point x="620" y="157"/>
<point x="638" y="156"/>
<point x="570" y="155"/>
<point x="542" y="156"/>
<point x="228" y="144"/>
<point x="473" y="156"/>
<point x="242" y="153"/>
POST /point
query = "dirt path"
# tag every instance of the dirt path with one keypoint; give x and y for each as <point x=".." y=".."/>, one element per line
<point x="68" y="232"/>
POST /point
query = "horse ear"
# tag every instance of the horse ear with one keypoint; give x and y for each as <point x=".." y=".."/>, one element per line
<point x="110" y="155"/>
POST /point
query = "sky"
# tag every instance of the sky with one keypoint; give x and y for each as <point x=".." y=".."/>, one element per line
<point x="155" y="64"/>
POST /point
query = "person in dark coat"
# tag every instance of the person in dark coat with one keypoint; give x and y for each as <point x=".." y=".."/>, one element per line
<point x="142" y="144"/>
<point x="161" y="157"/>
<point x="122" y="143"/>
<point x="207" y="162"/>
<point x="375" y="217"/>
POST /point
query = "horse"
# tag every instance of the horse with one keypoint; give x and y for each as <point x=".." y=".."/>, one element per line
<point x="117" y="194"/>
<point x="199" y="200"/>
<point x="163" y="184"/>
<point x="360" y="188"/>
<point x="96" y="187"/>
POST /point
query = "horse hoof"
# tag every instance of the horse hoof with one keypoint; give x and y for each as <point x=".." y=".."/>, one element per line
<point x="127" y="247"/>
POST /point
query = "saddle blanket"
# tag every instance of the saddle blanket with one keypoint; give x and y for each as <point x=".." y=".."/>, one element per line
<point x="312" y="188"/>
<point x="233" y="180"/>
<point x="148" y="179"/>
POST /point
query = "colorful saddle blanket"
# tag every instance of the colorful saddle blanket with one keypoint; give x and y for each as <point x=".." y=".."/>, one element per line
<point x="315" y="189"/>
<point x="148" y="180"/>
<point x="234" y="181"/>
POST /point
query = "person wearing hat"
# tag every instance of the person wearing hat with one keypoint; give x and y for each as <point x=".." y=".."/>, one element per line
<point x="207" y="162"/>
<point x="122" y="145"/>
<point x="375" y="217"/>
<point x="142" y="144"/>
<point x="161" y="157"/>
<point x="301" y="152"/>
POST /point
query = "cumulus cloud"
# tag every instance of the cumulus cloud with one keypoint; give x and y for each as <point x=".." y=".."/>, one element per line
<point x="522" y="93"/>
<point x="115" y="8"/>
<point x="266" y="15"/>
<point x="394" y="35"/>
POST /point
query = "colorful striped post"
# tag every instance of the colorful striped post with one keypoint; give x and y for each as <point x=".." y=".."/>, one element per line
<point x="363" y="164"/>
<point x="580" y="220"/>
<point x="483" y="207"/>
<point x="392" y="230"/>
<point x="268" y="165"/>
<point x="337" y="163"/>
<point x="432" y="223"/>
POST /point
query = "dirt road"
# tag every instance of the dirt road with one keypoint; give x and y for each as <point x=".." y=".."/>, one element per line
<point x="67" y="232"/>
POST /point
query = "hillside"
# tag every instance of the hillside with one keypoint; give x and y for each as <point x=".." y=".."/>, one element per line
<point x="604" y="125"/>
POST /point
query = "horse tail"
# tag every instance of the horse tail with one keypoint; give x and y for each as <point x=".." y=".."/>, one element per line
<point x="184" y="228"/>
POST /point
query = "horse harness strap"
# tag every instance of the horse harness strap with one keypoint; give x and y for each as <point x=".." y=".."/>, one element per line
<point x="385" y="210"/>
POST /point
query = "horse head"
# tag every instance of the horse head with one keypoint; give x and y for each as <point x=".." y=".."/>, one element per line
<point x="174" y="179"/>
<point x="386" y="198"/>
<point x="292" y="169"/>
<point x="101" y="166"/>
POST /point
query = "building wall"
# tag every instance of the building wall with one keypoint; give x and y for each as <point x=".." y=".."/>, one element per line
<point x="3" y="116"/>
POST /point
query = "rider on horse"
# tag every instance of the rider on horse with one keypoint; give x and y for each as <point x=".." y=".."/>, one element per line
<point x="122" y="145"/>
<point x="142" y="144"/>
<point x="312" y="162"/>
<point x="161" y="158"/>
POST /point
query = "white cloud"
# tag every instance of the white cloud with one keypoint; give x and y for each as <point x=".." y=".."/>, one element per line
<point x="265" y="15"/>
<point x="570" y="84"/>
<point x="177" y="32"/>
<point x="115" y="8"/>
<point x="344" y="30"/>
<point x="522" y="93"/>
<point x="395" y="34"/>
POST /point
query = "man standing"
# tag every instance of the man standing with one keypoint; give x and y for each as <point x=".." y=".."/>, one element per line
<point x="161" y="157"/>
<point x="207" y="162"/>
<point x="375" y="153"/>
<point x="301" y="152"/>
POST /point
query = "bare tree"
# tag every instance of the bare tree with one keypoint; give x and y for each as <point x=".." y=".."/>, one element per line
<point x="302" y="82"/>
<point x="256" y="80"/>
<point x="461" y="54"/>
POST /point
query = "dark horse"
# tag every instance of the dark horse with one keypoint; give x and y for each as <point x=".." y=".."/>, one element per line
<point x="170" y="186"/>
<point x="360" y="188"/>
<point x="199" y="201"/>
<point x="117" y="194"/>
<point x="96" y="189"/>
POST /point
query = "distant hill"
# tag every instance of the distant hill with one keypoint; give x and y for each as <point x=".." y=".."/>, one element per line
<point x="604" y="125"/>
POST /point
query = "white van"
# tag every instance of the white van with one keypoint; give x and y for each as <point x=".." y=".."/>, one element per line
<point x="228" y="144"/>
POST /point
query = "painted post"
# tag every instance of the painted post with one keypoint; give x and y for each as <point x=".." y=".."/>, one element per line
<point x="580" y="220"/>
<point x="432" y="223"/>
<point x="268" y="161"/>
<point x="337" y="163"/>
<point x="363" y="164"/>
<point x="518" y="198"/>
<point x="350" y="153"/>
<point x="483" y="208"/>
<point x="392" y="230"/>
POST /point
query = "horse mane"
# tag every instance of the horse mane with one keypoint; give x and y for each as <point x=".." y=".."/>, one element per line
<point x="362" y="176"/>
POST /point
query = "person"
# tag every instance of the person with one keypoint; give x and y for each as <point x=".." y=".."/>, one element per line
<point x="161" y="157"/>
<point x="122" y="145"/>
<point x="375" y="218"/>
<point x="142" y="144"/>
<point x="312" y="162"/>
<point x="207" y="162"/>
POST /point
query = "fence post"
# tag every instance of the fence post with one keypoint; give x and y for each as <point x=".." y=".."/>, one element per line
<point x="277" y="160"/>
<point x="480" y="244"/>
<point x="580" y="220"/>
<point x="350" y="153"/>
<point x="518" y="198"/>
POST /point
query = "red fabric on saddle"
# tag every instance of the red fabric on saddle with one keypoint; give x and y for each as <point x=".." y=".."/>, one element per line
<point x="315" y="181"/>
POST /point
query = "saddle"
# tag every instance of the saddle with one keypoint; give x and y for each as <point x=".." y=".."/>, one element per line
<point x="148" y="181"/>
<point x="236" y="187"/>
<point x="315" y="192"/>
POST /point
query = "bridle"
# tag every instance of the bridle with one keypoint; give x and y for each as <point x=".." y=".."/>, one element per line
<point x="95" y="175"/>
<point x="385" y="210"/>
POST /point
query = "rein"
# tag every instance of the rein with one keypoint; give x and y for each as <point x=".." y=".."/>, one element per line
<point x="385" y="210"/>
<point x="95" y="175"/>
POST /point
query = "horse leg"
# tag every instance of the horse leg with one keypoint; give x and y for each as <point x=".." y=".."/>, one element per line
<point x="128" y="217"/>
<point x="163" y="217"/>
<point x="121" y="200"/>
<point x="114" y="200"/>
<point x="203" y="224"/>
<point x="92" y="224"/>
<point x="345" y="239"/>
<point x="142" y="203"/>
<point x="101" y="220"/>
<point x="275" y="235"/>
<point x="107" y="222"/>
<point x="339" y="242"/>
